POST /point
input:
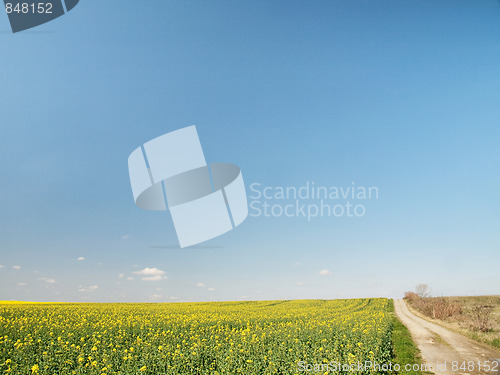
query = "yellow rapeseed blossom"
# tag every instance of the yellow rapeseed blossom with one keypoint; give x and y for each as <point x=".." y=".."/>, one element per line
<point x="186" y="338"/>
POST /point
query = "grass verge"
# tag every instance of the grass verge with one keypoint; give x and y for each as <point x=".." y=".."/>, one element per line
<point x="405" y="350"/>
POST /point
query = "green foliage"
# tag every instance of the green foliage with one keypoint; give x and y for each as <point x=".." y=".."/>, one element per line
<point x="405" y="351"/>
<point x="266" y="337"/>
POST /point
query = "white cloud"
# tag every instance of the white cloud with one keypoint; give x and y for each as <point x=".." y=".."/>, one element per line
<point x="22" y="284"/>
<point x="16" y="267"/>
<point x="211" y="289"/>
<point x="126" y="237"/>
<point x="80" y="258"/>
<point x="2" y="266"/>
<point x="200" y="285"/>
<point x="47" y="280"/>
<point x="121" y="275"/>
<point x="130" y="278"/>
<point x="300" y="283"/>
<point x="156" y="296"/>
<point x="151" y="274"/>
<point x="88" y="289"/>
<point x="325" y="272"/>
<point x="296" y="264"/>
<point x="153" y="278"/>
<point x="174" y="298"/>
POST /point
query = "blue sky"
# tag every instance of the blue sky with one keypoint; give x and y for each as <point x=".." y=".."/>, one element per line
<point x="394" y="94"/>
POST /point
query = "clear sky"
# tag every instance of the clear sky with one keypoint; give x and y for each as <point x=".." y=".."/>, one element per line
<point x="400" y="95"/>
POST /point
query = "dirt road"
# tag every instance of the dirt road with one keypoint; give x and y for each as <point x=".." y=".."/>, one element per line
<point x="447" y="352"/>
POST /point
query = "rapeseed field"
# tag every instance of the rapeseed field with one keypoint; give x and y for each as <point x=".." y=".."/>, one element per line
<point x="261" y="337"/>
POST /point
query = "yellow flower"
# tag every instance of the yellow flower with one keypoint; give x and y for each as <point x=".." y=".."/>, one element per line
<point x="34" y="369"/>
<point x="142" y="369"/>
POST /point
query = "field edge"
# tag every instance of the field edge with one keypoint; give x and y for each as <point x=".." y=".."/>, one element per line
<point x="404" y="349"/>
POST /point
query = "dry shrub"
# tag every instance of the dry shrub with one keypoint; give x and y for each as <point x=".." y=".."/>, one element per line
<point x="411" y="297"/>
<point x="434" y="307"/>
<point x="443" y="308"/>
<point x="480" y="315"/>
